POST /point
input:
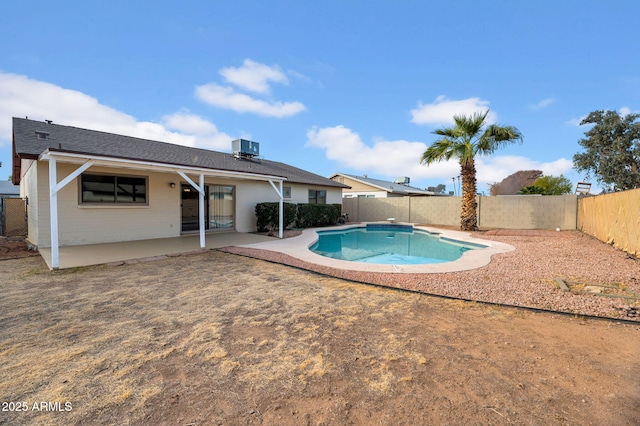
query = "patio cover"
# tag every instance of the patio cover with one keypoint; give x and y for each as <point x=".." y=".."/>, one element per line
<point x="53" y="156"/>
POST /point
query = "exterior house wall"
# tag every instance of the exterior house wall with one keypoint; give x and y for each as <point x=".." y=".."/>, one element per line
<point x="359" y="188"/>
<point x="376" y="194"/>
<point x="85" y="224"/>
<point x="248" y="194"/>
<point x="29" y="190"/>
<point x="334" y="196"/>
<point x="91" y="224"/>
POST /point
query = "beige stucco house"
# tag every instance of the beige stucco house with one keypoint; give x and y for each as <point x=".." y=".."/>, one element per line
<point x="366" y="187"/>
<point x="87" y="187"/>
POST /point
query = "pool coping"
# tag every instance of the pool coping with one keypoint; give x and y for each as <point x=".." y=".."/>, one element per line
<point x="298" y="247"/>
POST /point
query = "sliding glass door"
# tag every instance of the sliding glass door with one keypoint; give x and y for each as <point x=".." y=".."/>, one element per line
<point x="219" y="208"/>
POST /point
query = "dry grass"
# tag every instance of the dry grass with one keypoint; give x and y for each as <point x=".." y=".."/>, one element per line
<point x="215" y="338"/>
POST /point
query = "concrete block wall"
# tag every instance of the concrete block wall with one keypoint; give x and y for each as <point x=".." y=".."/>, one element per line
<point x="436" y="210"/>
<point x="511" y="212"/>
<point x="528" y="212"/>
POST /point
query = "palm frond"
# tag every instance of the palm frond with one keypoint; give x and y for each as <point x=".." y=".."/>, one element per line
<point x="438" y="151"/>
<point x="471" y="125"/>
<point x="496" y="136"/>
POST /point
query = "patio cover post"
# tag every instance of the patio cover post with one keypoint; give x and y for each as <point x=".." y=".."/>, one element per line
<point x="201" y="205"/>
<point x="280" y="206"/>
<point x="54" y="187"/>
<point x="200" y="189"/>
<point x="53" y="215"/>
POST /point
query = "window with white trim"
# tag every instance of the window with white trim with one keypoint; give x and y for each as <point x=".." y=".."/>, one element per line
<point x="286" y="192"/>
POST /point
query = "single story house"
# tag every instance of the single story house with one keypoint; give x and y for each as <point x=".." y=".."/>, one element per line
<point x="9" y="190"/>
<point x="89" y="187"/>
<point x="366" y="187"/>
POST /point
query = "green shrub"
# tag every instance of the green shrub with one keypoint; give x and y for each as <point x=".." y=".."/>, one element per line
<point x="313" y="215"/>
<point x="267" y="214"/>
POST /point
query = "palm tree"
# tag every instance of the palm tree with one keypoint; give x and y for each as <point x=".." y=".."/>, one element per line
<point x="463" y="141"/>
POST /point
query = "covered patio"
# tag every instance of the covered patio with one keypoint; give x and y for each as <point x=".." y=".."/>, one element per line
<point x="96" y="254"/>
<point x="54" y="255"/>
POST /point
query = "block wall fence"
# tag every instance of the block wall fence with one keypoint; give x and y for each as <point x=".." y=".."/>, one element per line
<point x="506" y="212"/>
<point x="612" y="218"/>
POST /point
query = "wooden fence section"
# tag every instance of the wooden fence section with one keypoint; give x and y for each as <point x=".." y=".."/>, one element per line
<point x="506" y="212"/>
<point x="613" y="218"/>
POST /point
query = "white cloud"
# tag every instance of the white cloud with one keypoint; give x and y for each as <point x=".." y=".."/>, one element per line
<point x="543" y="103"/>
<point x="228" y="98"/>
<point x="21" y="96"/>
<point x="442" y="110"/>
<point x="383" y="159"/>
<point x="624" y="111"/>
<point x="390" y="159"/>
<point x="497" y="167"/>
<point x="254" y="76"/>
<point x="205" y="134"/>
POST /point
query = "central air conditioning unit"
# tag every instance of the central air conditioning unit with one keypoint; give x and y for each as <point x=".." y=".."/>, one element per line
<point x="403" y="180"/>
<point x="243" y="148"/>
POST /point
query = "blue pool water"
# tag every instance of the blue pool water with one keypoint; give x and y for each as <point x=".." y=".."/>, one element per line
<point x="389" y="244"/>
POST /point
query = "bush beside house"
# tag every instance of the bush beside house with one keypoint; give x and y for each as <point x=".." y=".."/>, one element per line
<point x="303" y="215"/>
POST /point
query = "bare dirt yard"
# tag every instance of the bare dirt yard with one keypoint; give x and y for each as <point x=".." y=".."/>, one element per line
<point x="15" y="248"/>
<point x="220" y="339"/>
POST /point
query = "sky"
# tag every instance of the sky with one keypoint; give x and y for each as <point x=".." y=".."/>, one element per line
<point x="328" y="86"/>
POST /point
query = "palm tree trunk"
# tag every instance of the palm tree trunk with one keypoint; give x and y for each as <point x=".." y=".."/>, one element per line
<point x="468" y="218"/>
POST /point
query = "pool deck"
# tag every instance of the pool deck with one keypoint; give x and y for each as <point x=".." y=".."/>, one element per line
<point x="298" y="247"/>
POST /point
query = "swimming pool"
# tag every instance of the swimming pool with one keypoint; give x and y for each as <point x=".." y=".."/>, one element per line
<point x="387" y="244"/>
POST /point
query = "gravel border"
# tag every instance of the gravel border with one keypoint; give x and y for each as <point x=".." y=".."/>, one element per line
<point x="525" y="277"/>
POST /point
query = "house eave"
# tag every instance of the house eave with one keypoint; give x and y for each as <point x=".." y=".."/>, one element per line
<point x="78" y="158"/>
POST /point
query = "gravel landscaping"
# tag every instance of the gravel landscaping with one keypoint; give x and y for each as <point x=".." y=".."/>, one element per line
<point x="604" y="281"/>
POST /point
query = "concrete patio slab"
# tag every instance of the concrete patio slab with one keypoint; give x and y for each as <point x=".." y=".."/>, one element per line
<point x="96" y="254"/>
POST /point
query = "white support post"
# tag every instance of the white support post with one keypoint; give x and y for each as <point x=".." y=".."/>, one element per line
<point x="281" y="213"/>
<point x="54" y="187"/>
<point x="280" y="206"/>
<point x="53" y="213"/>
<point x="201" y="205"/>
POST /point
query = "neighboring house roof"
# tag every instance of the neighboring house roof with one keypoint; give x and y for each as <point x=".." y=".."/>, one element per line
<point x="8" y="188"/>
<point x="385" y="185"/>
<point x="54" y="137"/>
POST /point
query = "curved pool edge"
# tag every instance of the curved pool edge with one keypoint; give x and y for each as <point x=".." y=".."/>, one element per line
<point x="298" y="247"/>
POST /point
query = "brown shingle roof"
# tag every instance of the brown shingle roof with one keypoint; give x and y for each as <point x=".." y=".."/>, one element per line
<point x="28" y="144"/>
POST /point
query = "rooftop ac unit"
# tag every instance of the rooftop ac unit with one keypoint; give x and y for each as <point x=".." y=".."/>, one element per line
<point x="244" y="148"/>
<point x="402" y="180"/>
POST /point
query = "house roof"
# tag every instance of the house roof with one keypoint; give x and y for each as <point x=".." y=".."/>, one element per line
<point x="8" y="188"/>
<point x="32" y="138"/>
<point x="385" y="185"/>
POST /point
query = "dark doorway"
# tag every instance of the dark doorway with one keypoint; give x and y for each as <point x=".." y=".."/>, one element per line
<point x="190" y="208"/>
